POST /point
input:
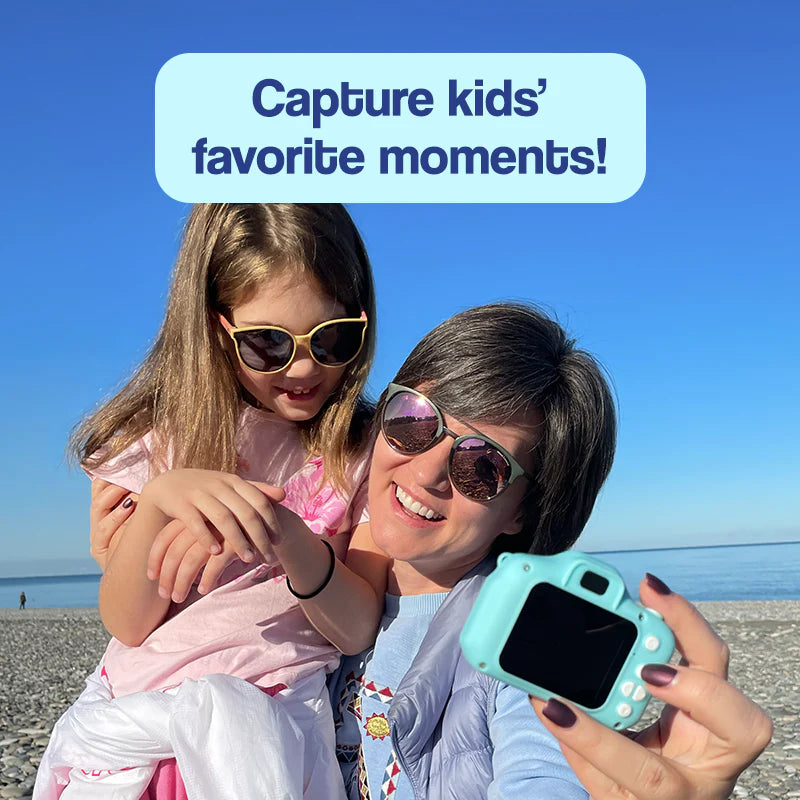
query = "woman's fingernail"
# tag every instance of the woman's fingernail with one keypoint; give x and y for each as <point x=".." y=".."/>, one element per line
<point x="163" y="593"/>
<point x="215" y="549"/>
<point x="127" y="502"/>
<point x="659" y="674"/>
<point x="150" y="575"/>
<point x="559" y="714"/>
<point x="656" y="584"/>
<point x="248" y="556"/>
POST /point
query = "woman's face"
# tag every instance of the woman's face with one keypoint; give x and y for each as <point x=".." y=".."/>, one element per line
<point x="433" y="554"/>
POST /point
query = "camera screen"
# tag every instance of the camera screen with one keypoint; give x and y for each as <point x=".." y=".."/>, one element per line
<point x="567" y="645"/>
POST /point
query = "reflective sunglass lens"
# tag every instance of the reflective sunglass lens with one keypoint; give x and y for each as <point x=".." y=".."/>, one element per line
<point x="266" y="350"/>
<point x="410" y="423"/>
<point x="478" y="470"/>
<point x="337" y="343"/>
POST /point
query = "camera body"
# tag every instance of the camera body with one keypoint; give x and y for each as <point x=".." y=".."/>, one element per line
<point x="564" y="626"/>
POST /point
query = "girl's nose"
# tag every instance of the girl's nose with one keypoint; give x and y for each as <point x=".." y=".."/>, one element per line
<point x="430" y="468"/>
<point x="302" y="366"/>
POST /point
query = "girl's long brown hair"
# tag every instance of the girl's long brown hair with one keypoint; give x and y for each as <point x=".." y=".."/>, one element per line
<point x="186" y="390"/>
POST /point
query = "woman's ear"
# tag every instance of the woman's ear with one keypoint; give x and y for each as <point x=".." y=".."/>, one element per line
<point x="515" y="526"/>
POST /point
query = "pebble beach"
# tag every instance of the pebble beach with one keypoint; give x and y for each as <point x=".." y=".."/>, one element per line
<point x="45" y="655"/>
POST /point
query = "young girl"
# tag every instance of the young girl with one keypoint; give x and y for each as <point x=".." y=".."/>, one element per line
<point x="255" y="381"/>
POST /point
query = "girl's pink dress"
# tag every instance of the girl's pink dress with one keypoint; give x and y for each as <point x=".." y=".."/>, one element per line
<point x="252" y="627"/>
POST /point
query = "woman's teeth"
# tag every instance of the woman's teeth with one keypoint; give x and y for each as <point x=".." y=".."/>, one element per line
<point x="415" y="507"/>
<point x="298" y="391"/>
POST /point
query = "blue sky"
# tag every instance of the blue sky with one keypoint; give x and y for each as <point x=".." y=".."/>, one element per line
<point x="687" y="292"/>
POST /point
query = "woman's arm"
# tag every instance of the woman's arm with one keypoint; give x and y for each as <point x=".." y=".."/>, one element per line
<point x="526" y="761"/>
<point x="707" y="735"/>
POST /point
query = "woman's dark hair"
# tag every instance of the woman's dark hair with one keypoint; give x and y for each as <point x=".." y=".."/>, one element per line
<point x="500" y="364"/>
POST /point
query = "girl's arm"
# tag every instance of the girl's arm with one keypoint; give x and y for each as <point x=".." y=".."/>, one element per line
<point x="347" y="611"/>
<point x="131" y="605"/>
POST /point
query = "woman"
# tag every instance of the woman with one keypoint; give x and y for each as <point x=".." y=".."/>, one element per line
<point x="497" y="434"/>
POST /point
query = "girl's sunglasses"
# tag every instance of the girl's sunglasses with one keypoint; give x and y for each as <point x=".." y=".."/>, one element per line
<point x="479" y="468"/>
<point x="268" y="348"/>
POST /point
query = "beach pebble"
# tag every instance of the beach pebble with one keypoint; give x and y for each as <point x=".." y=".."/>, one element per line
<point x="46" y="656"/>
<point x="13" y="791"/>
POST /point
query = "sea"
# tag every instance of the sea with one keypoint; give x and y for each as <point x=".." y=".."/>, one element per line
<point x="729" y="572"/>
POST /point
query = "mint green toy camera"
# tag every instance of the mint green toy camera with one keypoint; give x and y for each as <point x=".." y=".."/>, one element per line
<point x="564" y="626"/>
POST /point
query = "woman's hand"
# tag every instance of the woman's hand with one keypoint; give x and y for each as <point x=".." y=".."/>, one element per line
<point x="707" y="735"/>
<point x="111" y="507"/>
<point x="216" y="504"/>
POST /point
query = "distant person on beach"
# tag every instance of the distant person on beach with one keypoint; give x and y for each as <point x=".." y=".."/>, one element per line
<point x="22" y="600"/>
<point x="419" y="719"/>
<point x="248" y="411"/>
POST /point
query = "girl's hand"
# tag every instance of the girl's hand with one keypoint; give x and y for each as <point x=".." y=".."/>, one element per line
<point x="111" y="507"/>
<point x="703" y="740"/>
<point x="213" y="504"/>
<point x="177" y="558"/>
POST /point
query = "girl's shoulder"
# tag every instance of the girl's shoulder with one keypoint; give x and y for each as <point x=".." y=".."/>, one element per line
<point x="131" y="468"/>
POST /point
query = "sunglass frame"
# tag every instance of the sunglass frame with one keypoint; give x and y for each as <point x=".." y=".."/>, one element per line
<point x="304" y="339"/>
<point x="517" y="470"/>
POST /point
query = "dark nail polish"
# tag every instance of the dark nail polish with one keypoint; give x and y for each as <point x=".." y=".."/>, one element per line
<point x="127" y="502"/>
<point x="659" y="674"/>
<point x="656" y="584"/>
<point x="559" y="714"/>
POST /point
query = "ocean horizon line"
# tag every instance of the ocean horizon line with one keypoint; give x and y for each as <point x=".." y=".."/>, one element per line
<point x="51" y="577"/>
<point x="56" y="576"/>
<point x="693" y="547"/>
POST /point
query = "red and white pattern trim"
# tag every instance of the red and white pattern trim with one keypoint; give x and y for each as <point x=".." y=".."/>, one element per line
<point x="390" y="777"/>
<point x="382" y="693"/>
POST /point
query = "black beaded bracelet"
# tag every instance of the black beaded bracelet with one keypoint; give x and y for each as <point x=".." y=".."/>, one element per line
<point x="324" y="582"/>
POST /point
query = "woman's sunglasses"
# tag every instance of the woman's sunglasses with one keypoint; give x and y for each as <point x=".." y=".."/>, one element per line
<point x="479" y="468"/>
<point x="268" y="348"/>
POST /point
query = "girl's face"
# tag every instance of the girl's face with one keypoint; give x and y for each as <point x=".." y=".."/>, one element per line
<point x="433" y="554"/>
<point x="294" y="302"/>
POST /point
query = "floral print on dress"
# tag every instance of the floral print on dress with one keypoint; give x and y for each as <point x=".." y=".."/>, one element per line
<point x="242" y="465"/>
<point x="320" y="506"/>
